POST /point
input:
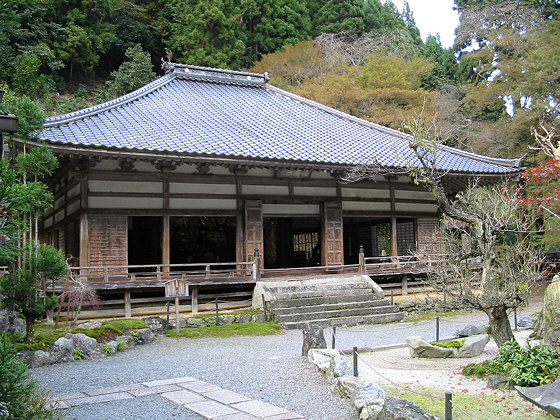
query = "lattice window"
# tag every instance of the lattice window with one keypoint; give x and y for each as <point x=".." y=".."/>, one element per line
<point x="406" y="239"/>
<point x="305" y="242"/>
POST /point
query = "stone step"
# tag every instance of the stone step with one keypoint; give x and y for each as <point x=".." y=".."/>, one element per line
<point x="301" y="294"/>
<point x="349" y="320"/>
<point x="332" y="306"/>
<point x="341" y="313"/>
<point x="320" y="300"/>
<point x="296" y="287"/>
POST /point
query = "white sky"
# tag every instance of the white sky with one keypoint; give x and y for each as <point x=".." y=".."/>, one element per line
<point x="435" y="17"/>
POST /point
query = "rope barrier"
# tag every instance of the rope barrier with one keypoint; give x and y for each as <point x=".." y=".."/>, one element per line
<point x="411" y="390"/>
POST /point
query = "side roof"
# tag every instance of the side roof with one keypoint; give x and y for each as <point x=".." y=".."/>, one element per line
<point x="204" y="112"/>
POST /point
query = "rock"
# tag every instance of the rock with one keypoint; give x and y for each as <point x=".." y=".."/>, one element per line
<point x="313" y="338"/>
<point x="144" y="336"/>
<point x="128" y="339"/>
<point x="419" y="347"/>
<point x="243" y="318"/>
<point x="90" y="325"/>
<point x="396" y="408"/>
<point x="346" y="385"/>
<point x="468" y="331"/>
<point x="62" y="350"/>
<point x="546" y="397"/>
<point x="43" y="358"/>
<point x="551" y="314"/>
<point x="526" y="322"/>
<point x="195" y="322"/>
<point x="322" y="358"/>
<point x="89" y="346"/>
<point x="497" y="382"/>
<point x="339" y="366"/>
<point x="182" y="323"/>
<point x="257" y="318"/>
<point x="226" y="319"/>
<point x="368" y="400"/>
<point x="11" y="322"/>
<point x="26" y="356"/>
<point x="113" y="345"/>
<point x="473" y="346"/>
<point x="156" y="324"/>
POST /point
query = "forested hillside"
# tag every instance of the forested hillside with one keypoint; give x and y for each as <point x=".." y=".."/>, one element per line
<point x="364" y="57"/>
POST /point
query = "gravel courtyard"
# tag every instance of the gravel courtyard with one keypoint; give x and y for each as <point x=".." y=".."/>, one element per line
<point x="269" y="369"/>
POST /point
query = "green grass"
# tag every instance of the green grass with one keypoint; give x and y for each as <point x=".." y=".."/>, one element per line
<point x="479" y="406"/>
<point x="482" y="370"/>
<point x="232" y="330"/>
<point x="432" y="315"/>
<point x="450" y="344"/>
<point x="45" y="335"/>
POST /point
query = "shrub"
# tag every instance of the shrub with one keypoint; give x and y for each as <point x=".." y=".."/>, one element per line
<point x="20" y="396"/>
<point x="482" y="370"/>
<point x="108" y="349"/>
<point x="77" y="354"/>
<point x="122" y="345"/>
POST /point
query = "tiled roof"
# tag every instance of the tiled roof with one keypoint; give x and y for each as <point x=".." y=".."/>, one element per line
<point x="195" y="111"/>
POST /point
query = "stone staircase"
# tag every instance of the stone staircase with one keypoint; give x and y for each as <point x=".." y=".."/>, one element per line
<point x="326" y="300"/>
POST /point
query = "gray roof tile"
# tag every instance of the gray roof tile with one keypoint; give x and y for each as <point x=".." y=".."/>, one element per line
<point x="193" y="113"/>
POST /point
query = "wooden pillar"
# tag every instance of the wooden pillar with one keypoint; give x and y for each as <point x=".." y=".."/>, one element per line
<point x="84" y="241"/>
<point x="404" y="286"/>
<point x="165" y="241"/>
<point x="127" y="304"/>
<point x="194" y="300"/>
<point x="394" y="243"/>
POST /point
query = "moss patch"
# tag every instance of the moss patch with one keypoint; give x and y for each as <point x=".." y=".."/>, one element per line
<point x="450" y="344"/>
<point x="221" y="313"/>
<point x="480" y="406"/>
<point x="232" y="330"/>
<point x="433" y="315"/>
<point x="482" y="370"/>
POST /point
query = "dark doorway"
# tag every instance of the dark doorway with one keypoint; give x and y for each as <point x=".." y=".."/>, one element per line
<point x="374" y="234"/>
<point x="144" y="240"/>
<point x="292" y="242"/>
<point x="202" y="239"/>
<point x="406" y="236"/>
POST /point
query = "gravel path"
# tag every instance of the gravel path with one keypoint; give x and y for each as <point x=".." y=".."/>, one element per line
<point x="269" y="368"/>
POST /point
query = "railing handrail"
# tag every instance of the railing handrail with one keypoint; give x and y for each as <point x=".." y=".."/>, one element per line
<point x="203" y="264"/>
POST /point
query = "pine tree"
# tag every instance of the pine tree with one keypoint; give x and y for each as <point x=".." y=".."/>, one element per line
<point x="340" y="15"/>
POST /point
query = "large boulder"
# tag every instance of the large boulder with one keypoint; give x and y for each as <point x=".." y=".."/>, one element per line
<point x="396" y="408"/>
<point x="420" y="347"/>
<point x="546" y="397"/>
<point x="346" y="385"/>
<point x="156" y="324"/>
<point x="11" y="322"/>
<point x="313" y="338"/>
<point x="468" y="331"/>
<point x="473" y="346"/>
<point x="243" y="318"/>
<point x="551" y="314"/>
<point x="62" y="350"/>
<point x="89" y="346"/>
<point x="322" y="358"/>
<point x="196" y="323"/>
<point x="144" y="336"/>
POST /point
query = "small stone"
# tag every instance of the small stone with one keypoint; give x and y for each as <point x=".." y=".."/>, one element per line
<point x="156" y="324"/>
<point x="368" y="400"/>
<point x="227" y="319"/>
<point x="257" y="318"/>
<point x="322" y="358"/>
<point x="113" y="345"/>
<point x="90" y="325"/>
<point x="346" y="385"/>
<point x="339" y="366"/>
<point x="195" y="322"/>
<point x="243" y="318"/>
<point x="182" y="323"/>
<point x="11" y="322"/>
<point x="89" y="346"/>
<point x="497" y="382"/>
<point x="468" y="331"/>
<point x="26" y="356"/>
<point x="313" y="338"/>
<point x="128" y="339"/>
<point x="144" y="336"/>
<point x="43" y="358"/>
<point x="526" y="322"/>
<point x="396" y="408"/>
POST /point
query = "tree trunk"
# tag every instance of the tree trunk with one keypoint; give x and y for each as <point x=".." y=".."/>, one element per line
<point x="500" y="328"/>
<point x="29" y="323"/>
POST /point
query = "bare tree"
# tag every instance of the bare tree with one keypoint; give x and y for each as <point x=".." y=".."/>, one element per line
<point x="487" y="224"/>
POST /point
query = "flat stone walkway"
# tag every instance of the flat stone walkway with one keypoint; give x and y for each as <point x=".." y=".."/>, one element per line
<point x="207" y="400"/>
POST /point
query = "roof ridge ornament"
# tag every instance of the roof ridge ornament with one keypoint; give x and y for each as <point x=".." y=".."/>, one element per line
<point x="236" y="77"/>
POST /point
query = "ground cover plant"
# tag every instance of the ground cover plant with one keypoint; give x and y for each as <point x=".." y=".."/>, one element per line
<point x="450" y="344"/>
<point x="531" y="365"/>
<point x="232" y="330"/>
<point x="20" y="395"/>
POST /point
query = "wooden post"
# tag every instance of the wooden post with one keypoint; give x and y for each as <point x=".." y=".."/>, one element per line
<point x="394" y="243"/>
<point x="84" y="242"/>
<point x="256" y="265"/>
<point x="405" y="286"/>
<point x="207" y="271"/>
<point x="127" y="304"/>
<point x="165" y="248"/>
<point x="177" y="322"/>
<point x="361" y="260"/>
<point x="194" y="301"/>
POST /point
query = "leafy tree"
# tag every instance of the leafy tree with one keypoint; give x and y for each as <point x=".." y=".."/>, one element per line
<point x="133" y="73"/>
<point x="30" y="115"/>
<point x="273" y="24"/>
<point x="340" y="15"/>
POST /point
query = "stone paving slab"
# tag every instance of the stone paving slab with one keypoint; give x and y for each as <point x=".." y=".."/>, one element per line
<point x="210" y="409"/>
<point x="98" y="398"/>
<point x="225" y="396"/>
<point x="170" y="381"/>
<point x="259" y="408"/>
<point x="205" y="399"/>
